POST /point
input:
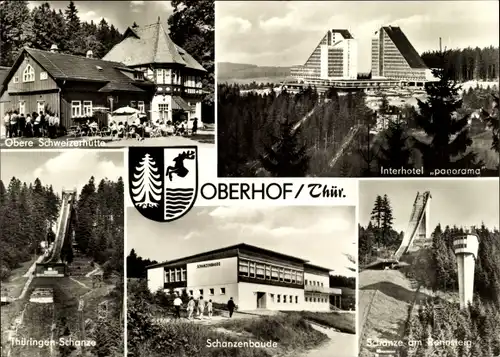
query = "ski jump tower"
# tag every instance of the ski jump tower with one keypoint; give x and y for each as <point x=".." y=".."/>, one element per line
<point x="52" y="264"/>
<point x="466" y="247"/>
<point x="418" y="232"/>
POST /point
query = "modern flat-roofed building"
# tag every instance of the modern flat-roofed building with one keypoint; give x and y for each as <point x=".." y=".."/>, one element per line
<point x="254" y="277"/>
<point x="335" y="57"/>
<point x="394" y="57"/>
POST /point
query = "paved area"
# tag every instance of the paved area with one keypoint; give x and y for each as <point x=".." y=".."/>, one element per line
<point x="339" y="345"/>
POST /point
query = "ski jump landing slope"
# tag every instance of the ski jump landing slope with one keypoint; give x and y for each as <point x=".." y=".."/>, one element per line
<point x="68" y="200"/>
<point x="418" y="227"/>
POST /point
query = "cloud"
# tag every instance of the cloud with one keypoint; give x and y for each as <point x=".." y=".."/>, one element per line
<point x="73" y="168"/>
<point x="233" y="25"/>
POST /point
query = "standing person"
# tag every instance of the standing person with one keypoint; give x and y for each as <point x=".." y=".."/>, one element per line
<point x="210" y="309"/>
<point x="195" y="126"/>
<point x="177" y="305"/>
<point x="6" y="123"/>
<point x="230" y="307"/>
<point x="201" y="308"/>
<point x="55" y="121"/>
<point x="21" y="123"/>
<point x="13" y="124"/>
<point x="190" y="308"/>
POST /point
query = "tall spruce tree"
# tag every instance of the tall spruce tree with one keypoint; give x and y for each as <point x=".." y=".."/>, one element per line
<point x="395" y="153"/>
<point x="378" y="212"/>
<point x="448" y="135"/>
<point x="286" y="158"/>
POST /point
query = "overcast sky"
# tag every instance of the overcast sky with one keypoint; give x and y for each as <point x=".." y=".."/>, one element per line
<point x="283" y="33"/>
<point x="119" y="13"/>
<point x="319" y="234"/>
<point x="454" y="202"/>
<point x="68" y="169"/>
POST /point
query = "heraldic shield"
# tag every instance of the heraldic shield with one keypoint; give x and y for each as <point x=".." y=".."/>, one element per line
<point x="163" y="181"/>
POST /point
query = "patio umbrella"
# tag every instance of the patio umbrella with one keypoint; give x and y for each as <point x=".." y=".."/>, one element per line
<point x="126" y="111"/>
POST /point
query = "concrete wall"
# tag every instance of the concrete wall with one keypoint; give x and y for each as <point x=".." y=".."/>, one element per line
<point x="248" y="293"/>
<point x="156" y="278"/>
<point x="310" y="277"/>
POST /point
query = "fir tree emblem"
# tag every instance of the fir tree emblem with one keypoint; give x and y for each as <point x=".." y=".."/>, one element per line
<point x="147" y="184"/>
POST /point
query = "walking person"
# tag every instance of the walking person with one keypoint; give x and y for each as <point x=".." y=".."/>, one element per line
<point x="201" y="308"/>
<point x="177" y="305"/>
<point x="230" y="306"/>
<point x="195" y="126"/>
<point x="210" y="309"/>
<point x="190" y="308"/>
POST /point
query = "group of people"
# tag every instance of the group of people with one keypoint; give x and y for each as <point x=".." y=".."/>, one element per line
<point x="140" y="129"/>
<point x="196" y="308"/>
<point x="35" y="125"/>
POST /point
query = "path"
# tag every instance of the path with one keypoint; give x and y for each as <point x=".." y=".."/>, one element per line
<point x="159" y="141"/>
<point x="30" y="275"/>
<point x="96" y="270"/>
<point x="339" y="345"/>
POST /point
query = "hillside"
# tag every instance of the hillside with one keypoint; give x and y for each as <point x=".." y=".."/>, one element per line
<point x="247" y="73"/>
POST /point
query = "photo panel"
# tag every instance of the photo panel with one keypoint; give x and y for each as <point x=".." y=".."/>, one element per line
<point x="62" y="262"/>
<point x="236" y="280"/>
<point x="429" y="262"/>
<point x="353" y="89"/>
<point x="115" y="74"/>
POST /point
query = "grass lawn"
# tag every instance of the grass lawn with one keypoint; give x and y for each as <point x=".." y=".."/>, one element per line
<point x="343" y="322"/>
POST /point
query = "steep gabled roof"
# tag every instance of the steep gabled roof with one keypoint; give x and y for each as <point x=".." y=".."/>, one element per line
<point x="150" y="44"/>
<point x="62" y="66"/>
<point x="404" y="46"/>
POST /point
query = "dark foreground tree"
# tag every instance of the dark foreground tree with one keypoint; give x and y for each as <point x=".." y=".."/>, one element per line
<point x="448" y="134"/>
<point x="286" y="158"/>
<point x="395" y="153"/>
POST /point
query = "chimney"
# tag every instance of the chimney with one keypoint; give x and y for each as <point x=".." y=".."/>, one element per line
<point x="54" y="48"/>
<point x="90" y="54"/>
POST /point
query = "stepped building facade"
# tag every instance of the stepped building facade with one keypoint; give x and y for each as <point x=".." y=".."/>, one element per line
<point x="394" y="57"/>
<point x="254" y="277"/>
<point x="335" y="57"/>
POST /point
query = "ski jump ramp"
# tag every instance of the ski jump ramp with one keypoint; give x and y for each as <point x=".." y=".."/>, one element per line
<point x="52" y="265"/>
<point x="418" y="231"/>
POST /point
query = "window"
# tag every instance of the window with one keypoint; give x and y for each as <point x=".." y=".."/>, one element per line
<point x="183" y="273"/>
<point x="139" y="76"/>
<point x="167" y="277"/>
<point x="268" y="272"/>
<point x="223" y="291"/>
<point x="272" y="297"/>
<point x="296" y="299"/>
<point x="279" y="297"/>
<point x="212" y="291"/>
<point x="260" y="271"/>
<point x="168" y="77"/>
<point x="76" y="108"/>
<point x="274" y="273"/>
<point x="40" y="107"/>
<point x="252" y="270"/>
<point x="306" y="281"/>
<point x="16" y="79"/>
<point x="201" y="292"/>
<point x="299" y="277"/>
<point x="291" y="299"/>
<point x="307" y="299"/>
<point x="29" y="74"/>
<point x="293" y="276"/>
<point x="177" y="275"/>
<point x="321" y="284"/>
<point x="163" y="110"/>
<point x="243" y="267"/>
<point x="159" y="76"/>
<point x="141" y="107"/>
<point x="43" y="76"/>
<point x="287" y="275"/>
<point x="172" y="275"/>
<point x="87" y="108"/>
<point x="314" y="299"/>
<point x="282" y="274"/>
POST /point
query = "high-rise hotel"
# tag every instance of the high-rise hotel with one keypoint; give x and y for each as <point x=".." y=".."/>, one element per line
<point x="335" y="57"/>
<point x="394" y="57"/>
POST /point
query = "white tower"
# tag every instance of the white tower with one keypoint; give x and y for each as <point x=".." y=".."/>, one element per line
<point x="465" y="248"/>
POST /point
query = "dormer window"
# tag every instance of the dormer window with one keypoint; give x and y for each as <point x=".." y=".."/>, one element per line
<point x="139" y="76"/>
<point x="29" y="74"/>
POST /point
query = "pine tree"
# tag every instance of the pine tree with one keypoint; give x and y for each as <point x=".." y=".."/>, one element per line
<point x="286" y="158"/>
<point x="147" y="185"/>
<point x="49" y="27"/>
<point x="395" y="153"/>
<point x="15" y="30"/>
<point x="378" y="212"/>
<point x="386" y="223"/>
<point x="449" y="136"/>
